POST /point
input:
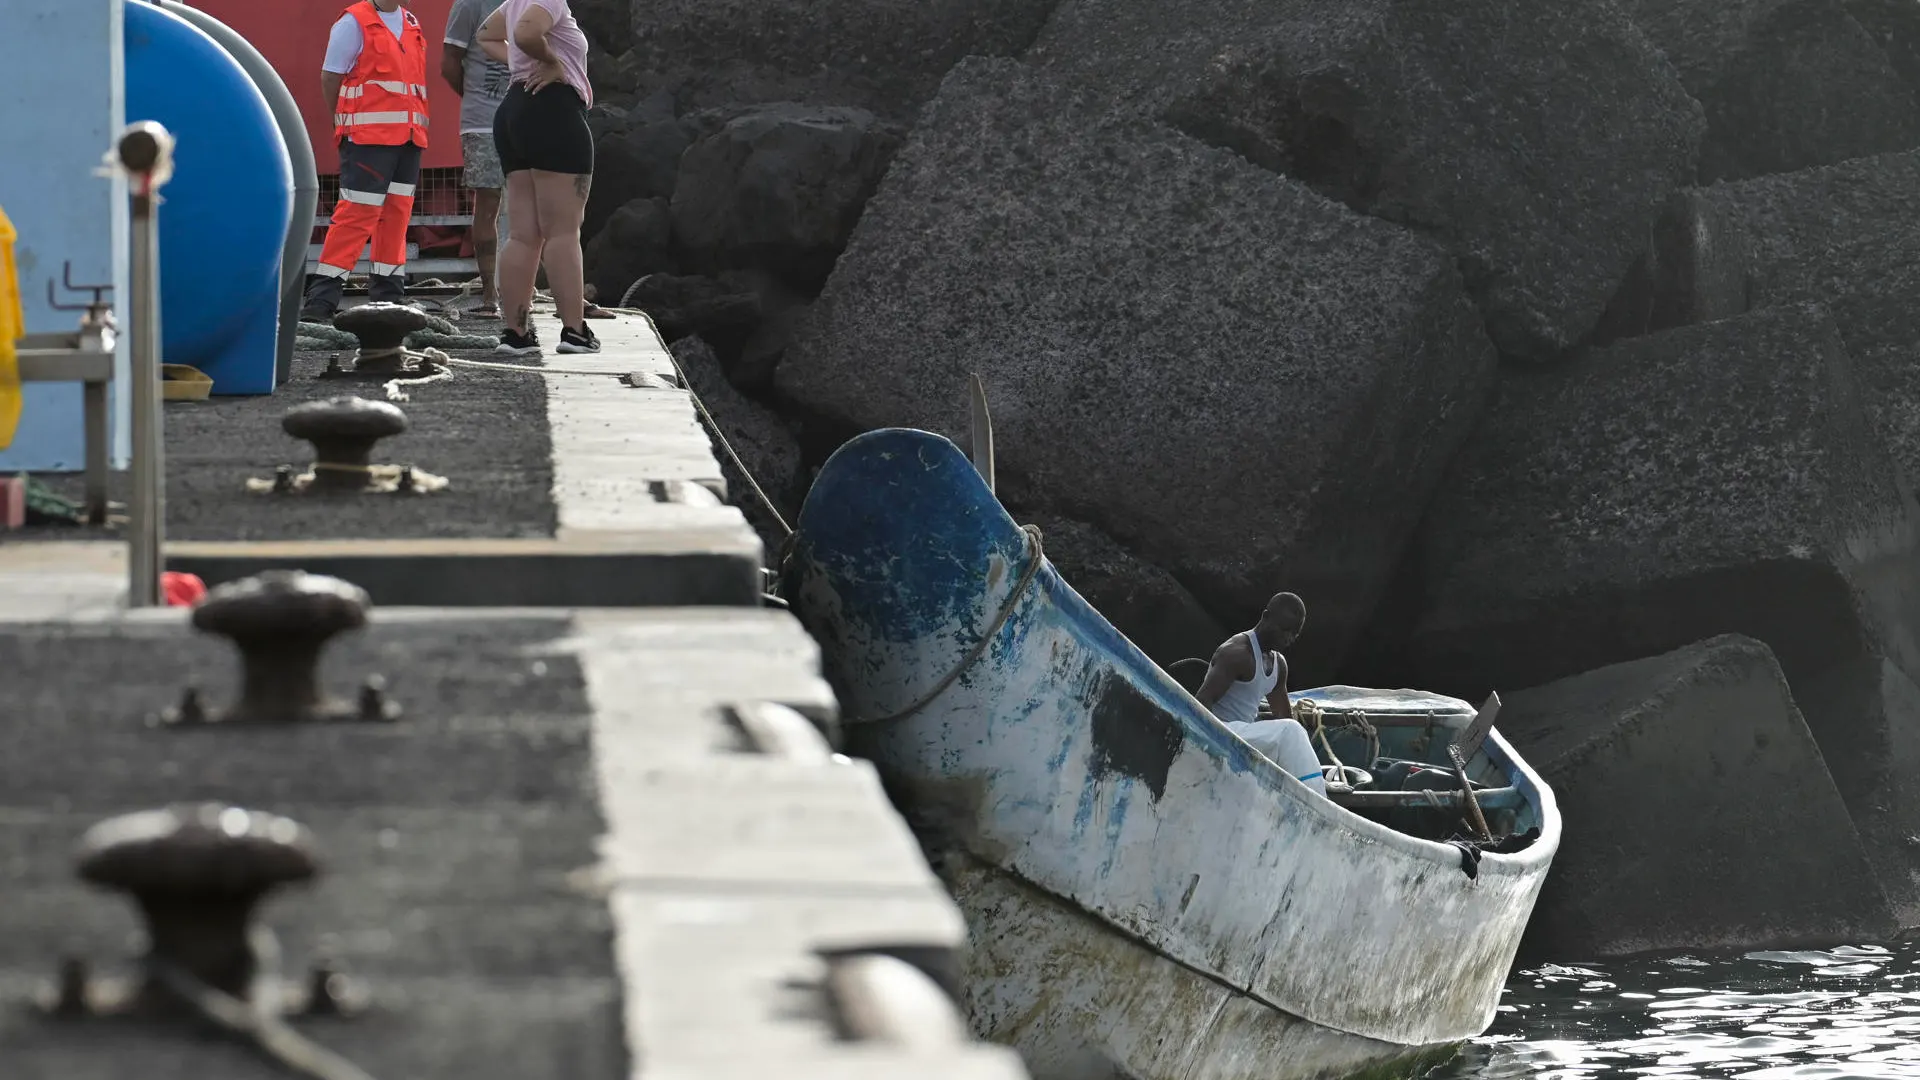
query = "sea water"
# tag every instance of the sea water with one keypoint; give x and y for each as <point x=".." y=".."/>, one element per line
<point x="1851" y="1012"/>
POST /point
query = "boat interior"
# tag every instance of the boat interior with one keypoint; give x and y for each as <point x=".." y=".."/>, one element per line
<point x="1387" y="759"/>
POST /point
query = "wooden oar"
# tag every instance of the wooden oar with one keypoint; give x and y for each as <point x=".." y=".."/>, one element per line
<point x="1466" y="792"/>
<point x="982" y="429"/>
<point x="1462" y="749"/>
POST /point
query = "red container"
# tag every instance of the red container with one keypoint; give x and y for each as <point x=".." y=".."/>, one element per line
<point x="292" y="35"/>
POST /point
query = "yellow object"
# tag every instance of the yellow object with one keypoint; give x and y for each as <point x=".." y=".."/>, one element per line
<point x="181" y="382"/>
<point x="13" y="325"/>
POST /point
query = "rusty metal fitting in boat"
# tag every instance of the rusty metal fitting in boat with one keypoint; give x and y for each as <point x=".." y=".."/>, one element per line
<point x="281" y="620"/>
<point x="197" y="873"/>
<point x="343" y="431"/>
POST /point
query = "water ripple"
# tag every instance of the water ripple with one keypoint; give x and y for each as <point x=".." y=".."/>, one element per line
<point x="1851" y="1013"/>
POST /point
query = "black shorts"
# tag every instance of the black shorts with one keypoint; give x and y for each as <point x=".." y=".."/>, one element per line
<point x="546" y="131"/>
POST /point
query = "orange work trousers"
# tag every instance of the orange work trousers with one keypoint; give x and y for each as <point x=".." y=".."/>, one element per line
<point x="376" y="203"/>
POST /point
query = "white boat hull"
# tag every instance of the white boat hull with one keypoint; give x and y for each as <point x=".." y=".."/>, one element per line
<point x="1082" y="1002"/>
<point x="1145" y="890"/>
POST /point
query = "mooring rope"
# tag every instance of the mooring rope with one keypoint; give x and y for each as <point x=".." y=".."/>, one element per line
<point x="438" y="333"/>
<point x="721" y="436"/>
<point x="486" y="365"/>
<point x="1036" y="555"/>
<point x="395" y="393"/>
<point x="257" y="1025"/>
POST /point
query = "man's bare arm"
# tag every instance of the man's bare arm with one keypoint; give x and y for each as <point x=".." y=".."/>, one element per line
<point x="492" y="37"/>
<point x="1228" y="666"/>
<point x="330" y="90"/>
<point x="1277" y="701"/>
<point x="453" y="67"/>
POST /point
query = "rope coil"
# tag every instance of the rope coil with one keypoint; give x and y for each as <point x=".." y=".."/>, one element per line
<point x="1036" y="556"/>
<point x="1317" y="718"/>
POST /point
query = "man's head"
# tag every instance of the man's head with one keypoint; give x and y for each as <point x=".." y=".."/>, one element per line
<point x="386" y="5"/>
<point x="1282" y="621"/>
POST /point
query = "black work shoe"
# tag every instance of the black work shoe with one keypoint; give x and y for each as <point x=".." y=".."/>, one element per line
<point x="322" y="299"/>
<point x="578" y="341"/>
<point x="388" y="288"/>
<point x="517" y="344"/>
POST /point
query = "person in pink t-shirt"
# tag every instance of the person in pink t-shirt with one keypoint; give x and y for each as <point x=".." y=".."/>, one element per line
<point x="546" y="152"/>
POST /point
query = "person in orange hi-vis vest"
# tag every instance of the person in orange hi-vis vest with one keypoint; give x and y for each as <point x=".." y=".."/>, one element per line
<point x="375" y="73"/>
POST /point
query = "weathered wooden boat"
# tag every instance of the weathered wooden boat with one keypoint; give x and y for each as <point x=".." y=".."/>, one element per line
<point x="1147" y="896"/>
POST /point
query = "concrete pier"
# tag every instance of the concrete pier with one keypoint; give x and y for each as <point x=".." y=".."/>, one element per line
<point x="609" y="494"/>
<point x="602" y="839"/>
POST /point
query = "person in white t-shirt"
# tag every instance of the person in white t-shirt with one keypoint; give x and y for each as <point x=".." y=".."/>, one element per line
<point x="373" y="79"/>
<point x="1247" y="671"/>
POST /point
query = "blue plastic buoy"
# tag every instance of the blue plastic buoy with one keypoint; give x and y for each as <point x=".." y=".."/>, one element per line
<point x="306" y="181"/>
<point x="225" y="214"/>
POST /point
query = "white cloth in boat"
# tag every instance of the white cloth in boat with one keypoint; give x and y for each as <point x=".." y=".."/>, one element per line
<point x="1286" y="744"/>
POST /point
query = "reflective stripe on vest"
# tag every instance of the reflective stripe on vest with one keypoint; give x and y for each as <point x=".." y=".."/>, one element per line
<point x="383" y="100"/>
<point x="350" y="123"/>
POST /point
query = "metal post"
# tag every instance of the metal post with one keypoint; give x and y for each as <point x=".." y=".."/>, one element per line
<point x="146" y="153"/>
<point x="95" y="413"/>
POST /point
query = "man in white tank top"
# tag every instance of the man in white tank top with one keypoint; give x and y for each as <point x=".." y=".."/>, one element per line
<point x="1248" y="670"/>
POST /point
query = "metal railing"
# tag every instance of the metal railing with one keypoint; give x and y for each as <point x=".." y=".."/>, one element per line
<point x="440" y="199"/>
<point x="84" y="356"/>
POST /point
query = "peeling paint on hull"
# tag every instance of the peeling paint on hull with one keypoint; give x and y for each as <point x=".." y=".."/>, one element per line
<point x="1206" y="915"/>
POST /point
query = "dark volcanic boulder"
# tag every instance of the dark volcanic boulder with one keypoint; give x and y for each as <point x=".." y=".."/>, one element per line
<point x="1894" y="25"/>
<point x="765" y="444"/>
<point x="1701" y="38"/>
<point x="637" y="241"/>
<point x="724" y="314"/>
<point x="1536" y="141"/>
<point x="1141" y="600"/>
<point x="1802" y="84"/>
<point x="760" y="356"/>
<point x="607" y="23"/>
<point x="1698" y="811"/>
<point x="639" y="160"/>
<point x="779" y="189"/>
<point x="884" y="55"/>
<point x="615" y="76"/>
<point x="1240" y="381"/>
<point x="1845" y="236"/>
<point x="1712" y="479"/>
